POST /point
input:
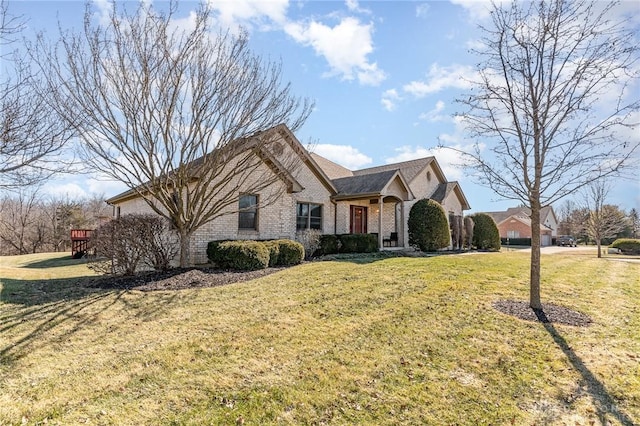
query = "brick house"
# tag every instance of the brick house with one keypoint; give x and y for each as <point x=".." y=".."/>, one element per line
<point x="515" y="222"/>
<point x="323" y="195"/>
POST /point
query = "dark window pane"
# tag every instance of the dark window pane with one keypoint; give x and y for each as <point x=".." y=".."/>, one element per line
<point x="247" y="201"/>
<point x="247" y="220"/>
<point x="309" y="216"/>
<point x="303" y="209"/>
<point x="301" y="222"/>
<point x="248" y="212"/>
<point x="316" y="210"/>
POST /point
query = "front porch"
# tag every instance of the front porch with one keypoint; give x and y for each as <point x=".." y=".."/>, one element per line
<point x="373" y="204"/>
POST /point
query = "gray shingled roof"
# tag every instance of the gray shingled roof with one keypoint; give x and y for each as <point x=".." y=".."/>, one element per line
<point x="409" y="169"/>
<point x="519" y="211"/>
<point x="372" y="183"/>
<point x="442" y="190"/>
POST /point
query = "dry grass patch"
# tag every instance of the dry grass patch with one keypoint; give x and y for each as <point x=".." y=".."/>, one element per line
<point x="368" y="341"/>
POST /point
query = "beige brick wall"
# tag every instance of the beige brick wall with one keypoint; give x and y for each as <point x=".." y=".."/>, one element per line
<point x="277" y="219"/>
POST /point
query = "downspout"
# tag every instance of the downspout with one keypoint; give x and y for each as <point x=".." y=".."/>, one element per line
<point x="380" y="240"/>
<point x="335" y="217"/>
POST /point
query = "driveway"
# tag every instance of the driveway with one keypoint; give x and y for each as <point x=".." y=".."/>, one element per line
<point x="554" y="249"/>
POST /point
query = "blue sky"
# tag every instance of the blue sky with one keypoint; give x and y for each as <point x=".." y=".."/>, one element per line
<point x="384" y="76"/>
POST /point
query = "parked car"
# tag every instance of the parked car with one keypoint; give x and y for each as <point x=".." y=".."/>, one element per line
<point x="566" y="240"/>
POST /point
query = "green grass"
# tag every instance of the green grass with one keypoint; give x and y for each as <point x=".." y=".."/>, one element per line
<point x="379" y="341"/>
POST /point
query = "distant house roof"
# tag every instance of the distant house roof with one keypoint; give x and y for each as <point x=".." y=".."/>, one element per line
<point x="525" y="220"/>
<point x="521" y="211"/>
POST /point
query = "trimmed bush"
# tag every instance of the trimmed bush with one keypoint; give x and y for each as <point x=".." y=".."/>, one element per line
<point x="248" y="255"/>
<point x="485" y="232"/>
<point x="358" y="243"/>
<point x="274" y="252"/>
<point x="214" y="254"/>
<point x="243" y="255"/>
<point x="428" y="226"/>
<point x="329" y="244"/>
<point x="290" y="252"/>
<point x="627" y="245"/>
<point x="518" y="241"/>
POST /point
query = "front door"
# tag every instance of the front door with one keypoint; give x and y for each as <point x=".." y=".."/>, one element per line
<point x="358" y="220"/>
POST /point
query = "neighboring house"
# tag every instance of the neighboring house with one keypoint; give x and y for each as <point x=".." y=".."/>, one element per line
<point x="325" y="196"/>
<point x="515" y="222"/>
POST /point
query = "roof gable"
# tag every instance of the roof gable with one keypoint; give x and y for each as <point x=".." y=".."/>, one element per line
<point x="373" y="184"/>
<point x="443" y="190"/>
<point x="410" y="169"/>
<point x="269" y="159"/>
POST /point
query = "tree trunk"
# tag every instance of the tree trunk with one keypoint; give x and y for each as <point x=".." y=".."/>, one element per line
<point x="599" y="244"/>
<point x="534" y="286"/>
<point x="185" y="240"/>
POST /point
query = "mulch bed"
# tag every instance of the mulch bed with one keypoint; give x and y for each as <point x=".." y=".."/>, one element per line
<point x="178" y="279"/>
<point x="550" y="313"/>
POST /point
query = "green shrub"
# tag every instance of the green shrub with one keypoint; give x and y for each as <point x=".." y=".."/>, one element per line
<point x="290" y="252"/>
<point x="329" y="244"/>
<point x="214" y="254"/>
<point x="243" y="255"/>
<point x="627" y="245"/>
<point x="358" y="243"/>
<point x="274" y="252"/>
<point x="485" y="232"/>
<point x="517" y="241"/>
<point x="428" y="226"/>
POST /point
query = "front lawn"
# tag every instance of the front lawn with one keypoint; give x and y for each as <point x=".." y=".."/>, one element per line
<point x="355" y="341"/>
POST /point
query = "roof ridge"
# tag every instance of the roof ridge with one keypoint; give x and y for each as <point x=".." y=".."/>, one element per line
<point x="398" y="165"/>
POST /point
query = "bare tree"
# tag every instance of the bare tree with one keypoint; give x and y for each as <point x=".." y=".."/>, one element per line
<point x="32" y="136"/>
<point x="604" y="220"/>
<point x="178" y="115"/>
<point x="539" y="104"/>
<point x="634" y="222"/>
<point x="21" y="222"/>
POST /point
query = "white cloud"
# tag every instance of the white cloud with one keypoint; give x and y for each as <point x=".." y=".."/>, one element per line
<point x="450" y="159"/>
<point x="106" y="187"/>
<point x="476" y="9"/>
<point x="67" y="189"/>
<point x="434" y="115"/>
<point x="422" y="10"/>
<point x="441" y="78"/>
<point x="232" y="14"/>
<point x="345" y="46"/>
<point x="475" y="44"/>
<point x="389" y="99"/>
<point x="354" y="6"/>
<point x="345" y="155"/>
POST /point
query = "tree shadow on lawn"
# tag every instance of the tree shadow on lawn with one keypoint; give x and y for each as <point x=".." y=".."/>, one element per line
<point x="63" y="260"/>
<point x="69" y="304"/>
<point x="604" y="402"/>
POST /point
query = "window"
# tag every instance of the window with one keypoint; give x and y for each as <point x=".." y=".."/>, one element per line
<point x="513" y="234"/>
<point x="248" y="212"/>
<point x="309" y="216"/>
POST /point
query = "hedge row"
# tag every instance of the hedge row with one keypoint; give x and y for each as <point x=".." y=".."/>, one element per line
<point x="347" y="243"/>
<point x="627" y="245"/>
<point x="515" y="241"/>
<point x="251" y="255"/>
